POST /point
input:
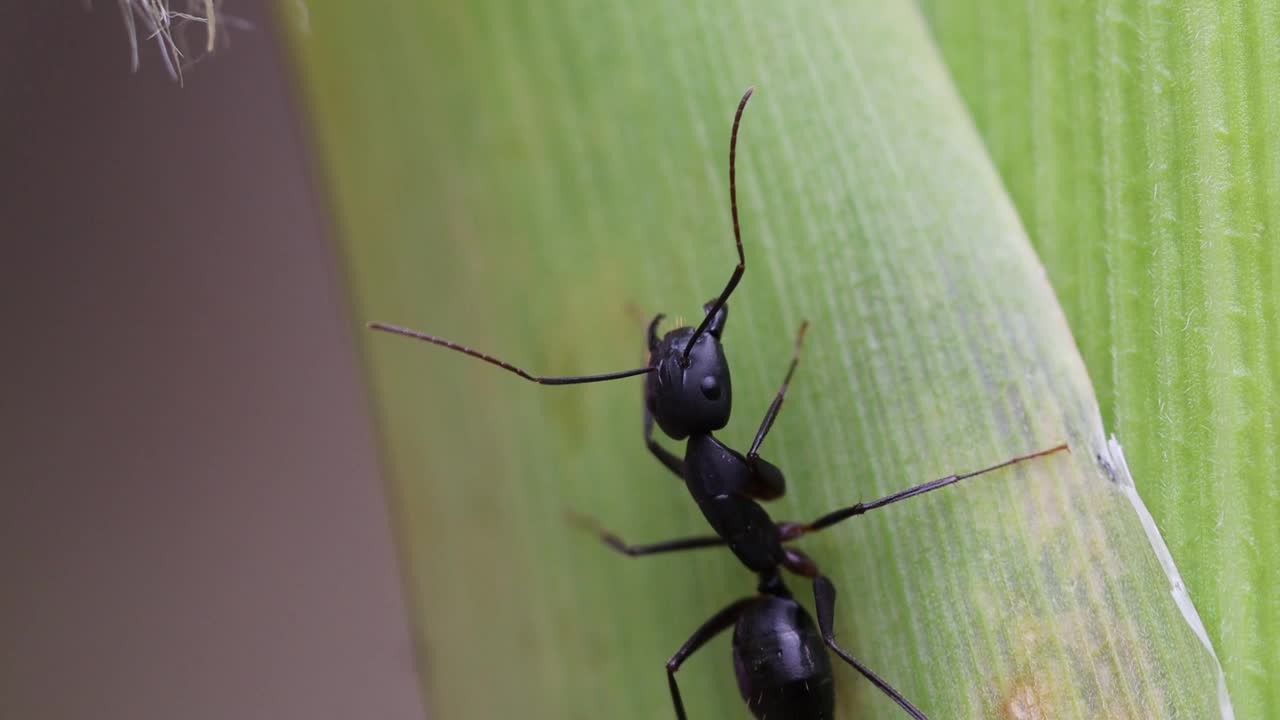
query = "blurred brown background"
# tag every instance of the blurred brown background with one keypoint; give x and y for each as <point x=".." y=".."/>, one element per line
<point x="191" y="517"/>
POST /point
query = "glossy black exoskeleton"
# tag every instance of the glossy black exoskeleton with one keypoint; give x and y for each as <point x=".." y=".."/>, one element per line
<point x="778" y="654"/>
<point x="780" y="660"/>
<point x="782" y="668"/>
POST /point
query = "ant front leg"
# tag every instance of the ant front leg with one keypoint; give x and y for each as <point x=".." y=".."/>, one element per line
<point x="768" y="482"/>
<point x="673" y="463"/>
<point x="824" y="601"/>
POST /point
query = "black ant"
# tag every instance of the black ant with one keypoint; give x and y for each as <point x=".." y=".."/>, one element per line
<point x="781" y="667"/>
<point x="778" y="654"/>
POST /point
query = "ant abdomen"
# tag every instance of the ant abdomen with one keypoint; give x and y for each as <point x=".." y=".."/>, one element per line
<point x="781" y="663"/>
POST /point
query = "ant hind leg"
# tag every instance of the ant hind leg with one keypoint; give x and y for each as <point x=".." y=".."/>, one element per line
<point x="717" y="624"/>
<point x="824" y="600"/>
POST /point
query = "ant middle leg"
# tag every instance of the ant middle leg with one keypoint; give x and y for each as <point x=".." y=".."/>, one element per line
<point x="718" y="623"/>
<point x="768" y="482"/>
<point x="824" y="601"/>
<point x="793" y="530"/>
<point x="612" y="540"/>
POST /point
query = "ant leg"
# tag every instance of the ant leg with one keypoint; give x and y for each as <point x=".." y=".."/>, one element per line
<point x="716" y="625"/>
<point x="772" y="413"/>
<point x="673" y="463"/>
<point x="799" y="563"/>
<point x="668" y="458"/>
<point x="824" y="600"/>
<point x="767" y="481"/>
<point x="790" y="531"/>
<point x="615" y="542"/>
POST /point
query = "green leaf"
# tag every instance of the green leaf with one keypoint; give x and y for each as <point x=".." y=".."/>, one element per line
<point x="534" y="180"/>
<point x="1140" y="143"/>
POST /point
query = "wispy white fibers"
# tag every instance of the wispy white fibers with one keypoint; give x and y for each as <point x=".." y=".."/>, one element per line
<point x="166" y="22"/>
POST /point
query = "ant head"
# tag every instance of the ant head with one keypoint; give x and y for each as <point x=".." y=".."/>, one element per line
<point x="694" y="396"/>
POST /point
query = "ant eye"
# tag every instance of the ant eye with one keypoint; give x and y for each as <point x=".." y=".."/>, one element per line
<point x="710" y="388"/>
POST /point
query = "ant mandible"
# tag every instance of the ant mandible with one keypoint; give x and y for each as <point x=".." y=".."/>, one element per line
<point x="689" y="394"/>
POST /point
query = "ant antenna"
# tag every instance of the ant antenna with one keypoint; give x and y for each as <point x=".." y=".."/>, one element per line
<point x="737" y="234"/>
<point x="571" y="380"/>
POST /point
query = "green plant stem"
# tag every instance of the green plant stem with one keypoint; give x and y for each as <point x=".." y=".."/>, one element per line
<point x="1138" y="141"/>
<point x="517" y="177"/>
